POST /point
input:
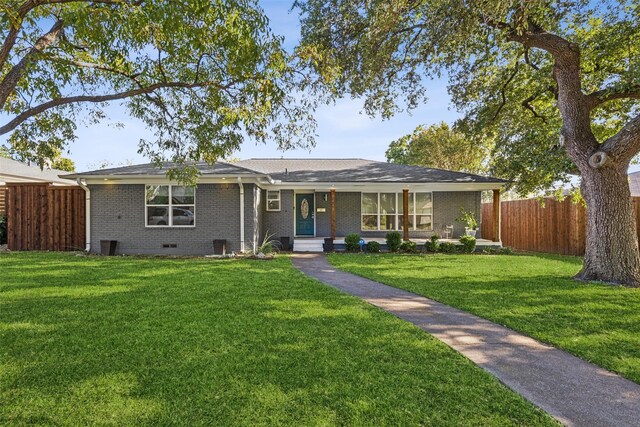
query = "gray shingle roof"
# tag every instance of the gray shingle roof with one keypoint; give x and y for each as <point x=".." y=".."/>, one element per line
<point x="15" y="171"/>
<point x="219" y="168"/>
<point x="355" y="170"/>
<point x="312" y="170"/>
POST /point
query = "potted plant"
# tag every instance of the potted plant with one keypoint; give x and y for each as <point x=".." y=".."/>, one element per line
<point x="468" y="218"/>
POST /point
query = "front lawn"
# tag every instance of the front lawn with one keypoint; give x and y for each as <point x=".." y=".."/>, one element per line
<point x="533" y="294"/>
<point x="143" y="341"/>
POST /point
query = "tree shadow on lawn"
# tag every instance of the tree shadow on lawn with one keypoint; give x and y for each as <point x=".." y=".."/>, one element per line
<point x="230" y="343"/>
<point x="533" y="294"/>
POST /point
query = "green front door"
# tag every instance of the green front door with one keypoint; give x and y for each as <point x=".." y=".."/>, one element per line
<point x="304" y="215"/>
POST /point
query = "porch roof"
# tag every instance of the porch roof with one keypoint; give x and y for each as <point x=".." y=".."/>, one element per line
<point x="357" y="170"/>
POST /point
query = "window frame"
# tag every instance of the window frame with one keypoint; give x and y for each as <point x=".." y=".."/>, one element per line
<point x="170" y="206"/>
<point x="397" y="215"/>
<point x="376" y="214"/>
<point x="279" y="199"/>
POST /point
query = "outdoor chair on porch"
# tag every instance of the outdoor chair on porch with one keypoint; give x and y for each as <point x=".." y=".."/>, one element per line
<point x="447" y="231"/>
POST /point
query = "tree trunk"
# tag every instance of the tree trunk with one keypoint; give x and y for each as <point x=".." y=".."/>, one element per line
<point x="612" y="244"/>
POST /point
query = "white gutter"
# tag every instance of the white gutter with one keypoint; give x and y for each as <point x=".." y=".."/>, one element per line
<point x="241" y="214"/>
<point x="146" y="177"/>
<point x="87" y="214"/>
<point x="268" y="180"/>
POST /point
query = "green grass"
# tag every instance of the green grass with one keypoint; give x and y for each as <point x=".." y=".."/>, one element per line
<point x="533" y="294"/>
<point x="143" y="341"/>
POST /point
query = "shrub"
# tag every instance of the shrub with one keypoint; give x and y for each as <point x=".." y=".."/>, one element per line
<point x="433" y="245"/>
<point x="268" y="245"/>
<point x="3" y="230"/>
<point x="506" y="250"/>
<point x="394" y="240"/>
<point x="409" y="247"/>
<point x="352" y="242"/>
<point x="448" y="248"/>
<point x="468" y="243"/>
<point x="468" y="218"/>
<point x="373" y="247"/>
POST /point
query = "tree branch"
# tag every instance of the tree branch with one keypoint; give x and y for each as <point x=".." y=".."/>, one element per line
<point x="22" y="11"/>
<point x="611" y="93"/>
<point x="502" y="92"/>
<point x="94" y="66"/>
<point x="540" y="39"/>
<point x="574" y="106"/>
<point x="624" y="145"/>
<point x="527" y="104"/>
<point x="25" y="115"/>
<point x="14" y="75"/>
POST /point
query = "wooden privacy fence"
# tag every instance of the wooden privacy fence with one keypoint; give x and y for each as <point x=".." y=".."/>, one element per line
<point x="44" y="217"/>
<point x="552" y="226"/>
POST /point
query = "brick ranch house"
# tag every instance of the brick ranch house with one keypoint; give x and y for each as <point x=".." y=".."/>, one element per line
<point x="305" y="200"/>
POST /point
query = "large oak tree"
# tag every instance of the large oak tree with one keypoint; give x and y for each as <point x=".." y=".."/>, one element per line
<point x="203" y="75"/>
<point x="556" y="84"/>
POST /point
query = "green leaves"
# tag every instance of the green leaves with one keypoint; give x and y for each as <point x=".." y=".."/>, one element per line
<point x="204" y="76"/>
<point x="438" y="146"/>
<point x="386" y="52"/>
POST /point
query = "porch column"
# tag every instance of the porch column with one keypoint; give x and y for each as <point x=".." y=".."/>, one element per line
<point x="405" y="213"/>
<point x="333" y="213"/>
<point x="497" y="220"/>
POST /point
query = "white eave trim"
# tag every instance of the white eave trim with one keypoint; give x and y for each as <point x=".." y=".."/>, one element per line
<point x="156" y="179"/>
<point x="267" y="183"/>
<point x="386" y="186"/>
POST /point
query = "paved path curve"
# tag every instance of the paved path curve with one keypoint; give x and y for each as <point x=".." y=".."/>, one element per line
<point x="575" y="392"/>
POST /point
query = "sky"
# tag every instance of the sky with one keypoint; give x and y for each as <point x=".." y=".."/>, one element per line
<point x="343" y="130"/>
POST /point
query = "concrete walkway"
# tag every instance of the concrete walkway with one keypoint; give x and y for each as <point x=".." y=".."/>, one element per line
<point x="575" y="392"/>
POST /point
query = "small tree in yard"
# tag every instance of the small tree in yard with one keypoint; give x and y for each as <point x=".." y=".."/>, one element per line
<point x="202" y="75"/>
<point x="552" y="87"/>
<point x="438" y="146"/>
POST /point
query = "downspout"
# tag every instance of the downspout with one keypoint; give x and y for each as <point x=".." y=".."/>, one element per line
<point x="241" y="214"/>
<point x="87" y="214"/>
<point x="256" y="225"/>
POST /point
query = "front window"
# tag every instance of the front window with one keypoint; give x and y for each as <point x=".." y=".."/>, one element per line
<point x="388" y="211"/>
<point x="369" y="211"/>
<point x="273" y="200"/>
<point x="383" y="211"/>
<point x="423" y="211"/>
<point x="170" y="206"/>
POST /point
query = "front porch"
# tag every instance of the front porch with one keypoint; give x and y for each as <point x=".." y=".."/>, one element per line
<point x="333" y="214"/>
<point x="314" y="244"/>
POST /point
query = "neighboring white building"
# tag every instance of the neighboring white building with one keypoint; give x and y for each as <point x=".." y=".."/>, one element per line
<point x="14" y="171"/>
<point x="634" y="184"/>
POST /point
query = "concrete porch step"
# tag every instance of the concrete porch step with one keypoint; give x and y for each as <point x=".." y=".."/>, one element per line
<point x="307" y="245"/>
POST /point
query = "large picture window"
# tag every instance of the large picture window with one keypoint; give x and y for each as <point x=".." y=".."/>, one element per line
<point x="384" y="211"/>
<point x="170" y="206"/>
